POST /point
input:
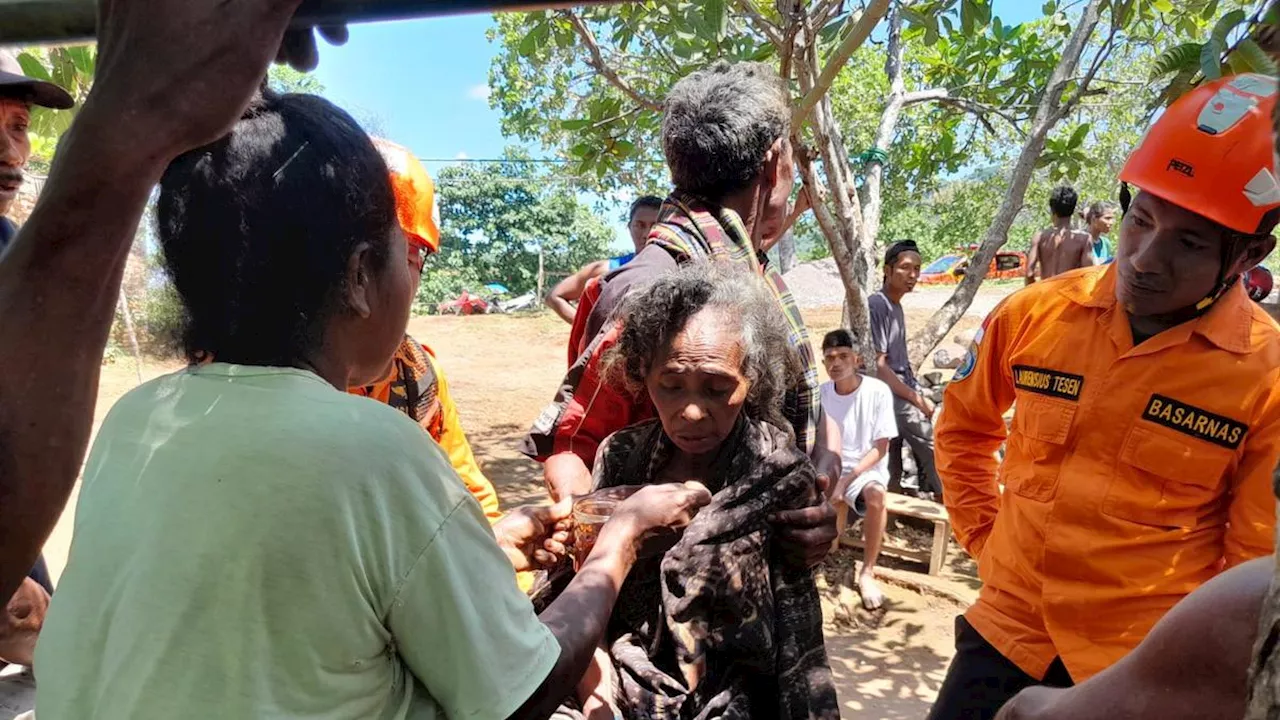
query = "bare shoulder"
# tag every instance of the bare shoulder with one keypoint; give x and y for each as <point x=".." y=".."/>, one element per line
<point x="599" y="268"/>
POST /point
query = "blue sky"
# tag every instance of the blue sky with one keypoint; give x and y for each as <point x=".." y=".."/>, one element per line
<point x="424" y="84"/>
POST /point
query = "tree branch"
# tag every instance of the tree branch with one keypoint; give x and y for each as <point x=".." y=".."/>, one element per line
<point x="1104" y="51"/>
<point x="918" y="96"/>
<point x="1046" y="116"/>
<point x="857" y="35"/>
<point x="981" y="111"/>
<point x="596" y="60"/>
<point x="824" y="11"/>
<point x="769" y="29"/>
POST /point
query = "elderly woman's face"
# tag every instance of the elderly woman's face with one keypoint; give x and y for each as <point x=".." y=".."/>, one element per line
<point x="698" y="386"/>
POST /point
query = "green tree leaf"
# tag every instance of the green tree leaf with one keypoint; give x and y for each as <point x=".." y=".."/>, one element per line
<point x="717" y="18"/>
<point x="32" y="67"/>
<point x="1226" y="24"/>
<point x="1162" y="6"/>
<point x="1211" y="58"/>
<point x="1255" y="59"/>
<point x="1177" y="59"/>
<point x="1077" y="137"/>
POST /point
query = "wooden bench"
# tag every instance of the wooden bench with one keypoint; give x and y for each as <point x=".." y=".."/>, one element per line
<point x="922" y="510"/>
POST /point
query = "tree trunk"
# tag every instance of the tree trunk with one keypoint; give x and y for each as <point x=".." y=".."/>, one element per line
<point x="786" y="252"/>
<point x="874" y="174"/>
<point x="1050" y="110"/>
<point x="542" y="282"/>
<point x="129" y="332"/>
<point x="836" y="204"/>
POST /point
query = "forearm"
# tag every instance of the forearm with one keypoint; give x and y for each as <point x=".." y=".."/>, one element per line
<point x="597" y="681"/>
<point x="972" y="498"/>
<point x="967" y="466"/>
<point x="579" y="616"/>
<point x="826" y="448"/>
<point x="561" y="307"/>
<point x="566" y="475"/>
<point x="867" y="462"/>
<point x="899" y="388"/>
<point x="58" y="289"/>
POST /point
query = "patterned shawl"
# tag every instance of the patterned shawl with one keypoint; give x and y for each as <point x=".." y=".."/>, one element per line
<point x="691" y="230"/>
<point x="720" y="606"/>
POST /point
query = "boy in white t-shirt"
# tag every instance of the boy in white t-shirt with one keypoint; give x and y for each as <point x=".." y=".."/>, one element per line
<point x="862" y="407"/>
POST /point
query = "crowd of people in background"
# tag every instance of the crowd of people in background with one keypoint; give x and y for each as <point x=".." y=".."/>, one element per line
<point x="295" y="525"/>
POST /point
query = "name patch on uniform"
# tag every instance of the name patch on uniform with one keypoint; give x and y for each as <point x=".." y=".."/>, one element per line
<point x="1048" y="382"/>
<point x="1195" y="422"/>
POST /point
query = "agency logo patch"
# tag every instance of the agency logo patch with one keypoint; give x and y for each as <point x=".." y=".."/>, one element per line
<point x="1053" y="383"/>
<point x="970" y="357"/>
<point x="1191" y="420"/>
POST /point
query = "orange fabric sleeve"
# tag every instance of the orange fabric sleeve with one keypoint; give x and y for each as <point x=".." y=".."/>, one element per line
<point x="454" y="443"/>
<point x="1251" y="517"/>
<point x="971" y="430"/>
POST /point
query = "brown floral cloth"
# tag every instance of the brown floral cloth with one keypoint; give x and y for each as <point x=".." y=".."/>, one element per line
<point x="720" y="611"/>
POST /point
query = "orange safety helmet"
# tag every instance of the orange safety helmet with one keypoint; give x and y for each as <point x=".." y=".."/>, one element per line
<point x="1212" y="152"/>
<point x="416" y="207"/>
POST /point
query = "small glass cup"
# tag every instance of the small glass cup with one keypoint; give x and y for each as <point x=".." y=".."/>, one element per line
<point x="590" y="513"/>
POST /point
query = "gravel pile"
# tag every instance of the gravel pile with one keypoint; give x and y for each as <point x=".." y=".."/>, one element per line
<point x="816" y="284"/>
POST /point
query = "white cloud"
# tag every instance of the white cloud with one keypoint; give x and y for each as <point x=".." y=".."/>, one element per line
<point x="462" y="156"/>
<point x="478" y="92"/>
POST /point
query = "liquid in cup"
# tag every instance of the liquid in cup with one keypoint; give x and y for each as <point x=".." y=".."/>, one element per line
<point x="590" y="513"/>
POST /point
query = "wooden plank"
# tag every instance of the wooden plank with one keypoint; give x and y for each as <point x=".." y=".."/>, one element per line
<point x="912" y="554"/>
<point x="936" y="556"/>
<point x="916" y="508"/>
<point x="941" y="534"/>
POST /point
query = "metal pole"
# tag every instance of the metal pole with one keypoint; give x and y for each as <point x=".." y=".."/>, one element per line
<point x="32" y="22"/>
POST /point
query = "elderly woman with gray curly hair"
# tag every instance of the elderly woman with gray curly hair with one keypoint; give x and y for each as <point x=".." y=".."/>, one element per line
<point x="718" y="626"/>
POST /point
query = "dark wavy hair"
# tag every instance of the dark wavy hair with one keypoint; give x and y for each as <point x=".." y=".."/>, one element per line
<point x="1062" y="201"/>
<point x="644" y="201"/>
<point x="653" y="316"/>
<point x="257" y="228"/>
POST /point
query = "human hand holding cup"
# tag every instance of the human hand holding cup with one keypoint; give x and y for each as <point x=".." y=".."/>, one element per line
<point x="653" y="515"/>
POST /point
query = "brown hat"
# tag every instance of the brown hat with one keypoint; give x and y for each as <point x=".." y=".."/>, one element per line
<point x="14" y="83"/>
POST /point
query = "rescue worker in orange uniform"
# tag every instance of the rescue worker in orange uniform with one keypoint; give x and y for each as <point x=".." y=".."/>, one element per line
<point x="1146" y="424"/>
<point x="415" y="384"/>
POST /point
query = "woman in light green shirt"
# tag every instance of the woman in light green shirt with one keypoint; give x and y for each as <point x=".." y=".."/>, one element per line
<point x="253" y="542"/>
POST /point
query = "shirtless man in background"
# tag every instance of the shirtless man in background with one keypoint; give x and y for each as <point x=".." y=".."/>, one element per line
<point x="1059" y="247"/>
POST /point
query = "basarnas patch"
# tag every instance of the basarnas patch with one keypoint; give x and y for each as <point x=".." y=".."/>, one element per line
<point x="1191" y="420"/>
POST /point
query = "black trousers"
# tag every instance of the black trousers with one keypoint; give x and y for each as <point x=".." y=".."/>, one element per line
<point x="981" y="680"/>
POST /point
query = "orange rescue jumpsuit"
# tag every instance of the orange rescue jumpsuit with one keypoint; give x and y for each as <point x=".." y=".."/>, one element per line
<point x="1132" y="474"/>
<point x="416" y="386"/>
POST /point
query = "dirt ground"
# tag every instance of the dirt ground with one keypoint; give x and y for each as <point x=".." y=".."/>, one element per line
<point x="502" y="370"/>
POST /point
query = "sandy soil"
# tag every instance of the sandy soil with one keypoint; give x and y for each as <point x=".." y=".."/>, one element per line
<point x="502" y="371"/>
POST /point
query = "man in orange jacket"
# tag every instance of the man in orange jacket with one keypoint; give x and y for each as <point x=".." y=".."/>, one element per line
<point x="1147" y="418"/>
<point x="415" y="384"/>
